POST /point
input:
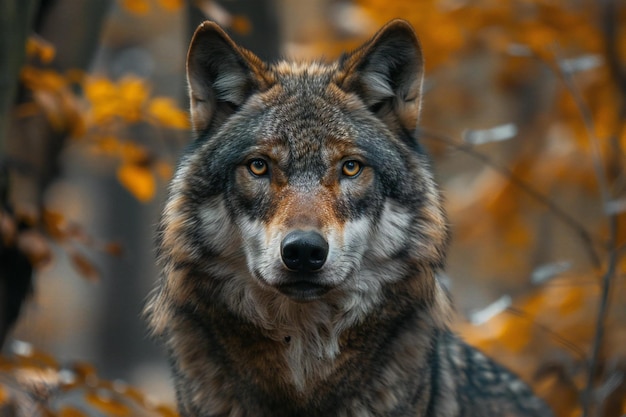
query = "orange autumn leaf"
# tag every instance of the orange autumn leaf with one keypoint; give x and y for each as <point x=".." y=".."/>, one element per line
<point x="166" y="411"/>
<point x="137" y="179"/>
<point x="38" y="47"/>
<point x="138" y="7"/>
<point x="241" y="25"/>
<point x="84" y="266"/>
<point x="511" y="331"/>
<point x="515" y="340"/>
<point x="573" y="300"/>
<point x="55" y="224"/>
<point x="4" y="396"/>
<point x="113" y="249"/>
<point x="171" y="5"/>
<point x="71" y="412"/>
<point x="535" y="304"/>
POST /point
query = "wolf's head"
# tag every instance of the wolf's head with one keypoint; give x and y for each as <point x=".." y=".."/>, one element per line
<point x="305" y="183"/>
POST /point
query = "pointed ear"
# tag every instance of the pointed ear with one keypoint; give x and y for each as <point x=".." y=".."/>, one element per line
<point x="221" y="76"/>
<point x="387" y="73"/>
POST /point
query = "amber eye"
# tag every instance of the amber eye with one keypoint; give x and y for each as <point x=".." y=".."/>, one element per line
<point x="351" y="168"/>
<point x="258" y="167"/>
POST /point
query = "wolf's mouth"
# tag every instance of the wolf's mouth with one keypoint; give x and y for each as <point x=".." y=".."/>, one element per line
<point x="303" y="290"/>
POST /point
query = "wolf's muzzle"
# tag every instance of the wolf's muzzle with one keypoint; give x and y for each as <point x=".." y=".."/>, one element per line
<point x="304" y="251"/>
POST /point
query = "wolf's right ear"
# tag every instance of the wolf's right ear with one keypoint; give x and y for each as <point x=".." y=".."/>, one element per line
<point x="221" y="76"/>
<point x="387" y="74"/>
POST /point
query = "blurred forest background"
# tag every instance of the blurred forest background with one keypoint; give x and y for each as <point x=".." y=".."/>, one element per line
<point x="524" y="115"/>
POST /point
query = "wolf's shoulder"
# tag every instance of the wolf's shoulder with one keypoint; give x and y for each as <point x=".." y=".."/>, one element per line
<point x="482" y="386"/>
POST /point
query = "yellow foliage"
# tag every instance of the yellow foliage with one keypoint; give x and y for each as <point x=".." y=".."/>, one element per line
<point x="40" y="48"/>
<point x="128" y="100"/>
<point x="165" y="111"/>
<point x="448" y="28"/>
<point x="54" y="97"/>
<point x="42" y="79"/>
<point x="125" y="99"/>
<point x="133" y="93"/>
<point x="102" y="94"/>
<point x="137" y="179"/>
<point x="128" y="152"/>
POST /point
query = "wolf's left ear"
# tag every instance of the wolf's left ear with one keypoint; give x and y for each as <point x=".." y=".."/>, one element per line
<point x="221" y="76"/>
<point x="387" y="73"/>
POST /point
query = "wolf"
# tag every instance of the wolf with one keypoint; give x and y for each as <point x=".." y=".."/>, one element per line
<point x="300" y="243"/>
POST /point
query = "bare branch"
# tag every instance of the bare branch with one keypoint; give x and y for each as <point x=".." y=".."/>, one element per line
<point x="557" y="211"/>
<point x="571" y="346"/>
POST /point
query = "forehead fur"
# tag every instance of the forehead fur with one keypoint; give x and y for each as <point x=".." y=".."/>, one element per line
<point x="308" y="79"/>
<point x="305" y="95"/>
<point x="316" y="68"/>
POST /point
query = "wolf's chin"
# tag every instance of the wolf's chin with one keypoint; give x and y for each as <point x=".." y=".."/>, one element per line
<point x="303" y="291"/>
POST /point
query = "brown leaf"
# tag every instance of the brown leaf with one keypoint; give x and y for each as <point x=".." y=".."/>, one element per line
<point x="84" y="266"/>
<point x="113" y="248"/>
<point x="54" y="223"/>
<point x="241" y="25"/>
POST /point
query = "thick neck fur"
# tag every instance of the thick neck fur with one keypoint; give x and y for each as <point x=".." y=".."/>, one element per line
<point x="311" y="337"/>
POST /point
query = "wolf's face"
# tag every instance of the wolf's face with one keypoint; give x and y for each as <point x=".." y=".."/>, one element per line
<point x="314" y="178"/>
<point x="305" y="180"/>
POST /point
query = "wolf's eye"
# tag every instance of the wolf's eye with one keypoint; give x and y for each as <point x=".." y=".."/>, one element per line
<point x="258" y="167"/>
<point x="351" y="168"/>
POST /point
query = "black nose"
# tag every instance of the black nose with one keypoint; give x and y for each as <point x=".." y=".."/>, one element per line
<point x="304" y="251"/>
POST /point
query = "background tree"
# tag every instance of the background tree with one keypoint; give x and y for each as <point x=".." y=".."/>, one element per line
<point x="524" y="116"/>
